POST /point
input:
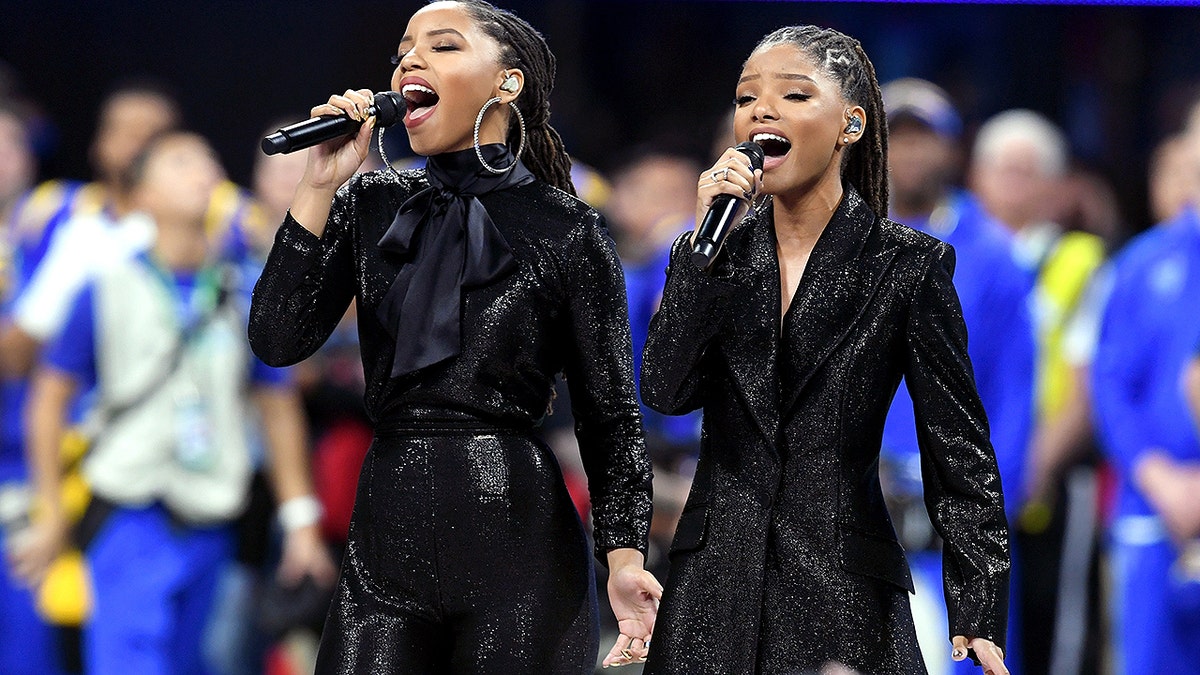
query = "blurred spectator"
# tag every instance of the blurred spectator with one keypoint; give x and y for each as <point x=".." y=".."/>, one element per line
<point x="1088" y="203"/>
<point x="162" y="337"/>
<point x="1172" y="178"/>
<point x="1147" y="335"/>
<point x="27" y="644"/>
<point x="591" y="186"/>
<point x="128" y="118"/>
<point x="923" y="154"/>
<point x="1192" y="383"/>
<point x="1019" y="170"/>
<point x="653" y="201"/>
<point x="18" y="165"/>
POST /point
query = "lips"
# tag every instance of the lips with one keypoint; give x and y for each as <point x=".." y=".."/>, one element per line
<point x="421" y="98"/>
<point x="774" y="144"/>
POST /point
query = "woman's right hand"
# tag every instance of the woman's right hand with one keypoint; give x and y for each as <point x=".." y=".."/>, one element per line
<point x="332" y="163"/>
<point x="731" y="175"/>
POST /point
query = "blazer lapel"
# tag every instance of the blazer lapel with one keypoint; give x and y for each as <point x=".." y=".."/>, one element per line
<point x="751" y="341"/>
<point x="836" y="288"/>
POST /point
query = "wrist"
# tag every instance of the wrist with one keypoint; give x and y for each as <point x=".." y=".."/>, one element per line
<point x="621" y="558"/>
<point x="298" y="513"/>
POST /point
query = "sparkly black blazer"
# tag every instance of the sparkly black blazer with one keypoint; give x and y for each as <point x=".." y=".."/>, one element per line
<point x="787" y="485"/>
<point x="562" y="310"/>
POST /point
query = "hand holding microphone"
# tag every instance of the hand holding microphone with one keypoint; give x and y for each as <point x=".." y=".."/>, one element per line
<point x="342" y="116"/>
<point x="724" y="194"/>
<point x="339" y="134"/>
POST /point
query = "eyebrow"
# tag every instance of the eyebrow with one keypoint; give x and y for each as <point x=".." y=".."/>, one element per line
<point x="434" y="33"/>
<point x="779" y="76"/>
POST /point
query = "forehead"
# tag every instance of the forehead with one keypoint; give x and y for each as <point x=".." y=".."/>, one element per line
<point x="137" y="104"/>
<point x="438" y="16"/>
<point x="179" y="147"/>
<point x="784" y="61"/>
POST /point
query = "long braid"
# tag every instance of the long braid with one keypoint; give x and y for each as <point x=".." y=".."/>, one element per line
<point x="521" y="46"/>
<point x="842" y="58"/>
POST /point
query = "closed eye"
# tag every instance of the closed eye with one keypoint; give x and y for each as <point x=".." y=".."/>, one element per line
<point x="797" y="97"/>
<point x="743" y="100"/>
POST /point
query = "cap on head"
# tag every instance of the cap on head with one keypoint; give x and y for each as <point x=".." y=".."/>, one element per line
<point x="922" y="101"/>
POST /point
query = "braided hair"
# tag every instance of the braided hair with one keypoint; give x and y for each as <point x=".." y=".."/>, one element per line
<point x="521" y="46"/>
<point x="864" y="165"/>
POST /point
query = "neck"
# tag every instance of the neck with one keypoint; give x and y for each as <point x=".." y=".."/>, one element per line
<point x="181" y="245"/>
<point x="801" y="217"/>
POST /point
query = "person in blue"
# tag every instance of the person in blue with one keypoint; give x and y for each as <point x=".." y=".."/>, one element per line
<point x="924" y="130"/>
<point x="161" y="337"/>
<point x="26" y="642"/>
<point x="1147" y="335"/>
<point x="652" y="201"/>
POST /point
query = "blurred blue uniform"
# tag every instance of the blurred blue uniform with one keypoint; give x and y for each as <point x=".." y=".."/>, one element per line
<point x="1147" y="335"/>
<point x="994" y="292"/>
<point x="154" y="579"/>
<point x="27" y="644"/>
<point x="644" y="284"/>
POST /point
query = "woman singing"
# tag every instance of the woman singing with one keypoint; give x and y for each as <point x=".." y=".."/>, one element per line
<point x="476" y="280"/>
<point x="794" y="342"/>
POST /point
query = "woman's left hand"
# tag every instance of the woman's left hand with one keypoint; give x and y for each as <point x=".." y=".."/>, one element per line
<point x="634" y="594"/>
<point x="991" y="657"/>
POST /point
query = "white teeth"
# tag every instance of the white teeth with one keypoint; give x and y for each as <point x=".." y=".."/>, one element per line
<point x="759" y="138"/>
<point x="409" y="88"/>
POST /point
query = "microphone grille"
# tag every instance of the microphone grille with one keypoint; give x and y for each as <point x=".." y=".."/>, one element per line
<point x="389" y="108"/>
<point x="754" y="151"/>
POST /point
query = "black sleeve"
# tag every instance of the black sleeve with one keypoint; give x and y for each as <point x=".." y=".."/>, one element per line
<point x="305" y="287"/>
<point x="961" y="478"/>
<point x="599" y="371"/>
<point x="681" y="332"/>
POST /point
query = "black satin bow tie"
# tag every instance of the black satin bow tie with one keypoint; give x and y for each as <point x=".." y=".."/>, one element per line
<point x="454" y="245"/>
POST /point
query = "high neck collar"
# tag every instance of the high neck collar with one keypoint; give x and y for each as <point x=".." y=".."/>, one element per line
<point x="451" y="245"/>
<point x="460" y="172"/>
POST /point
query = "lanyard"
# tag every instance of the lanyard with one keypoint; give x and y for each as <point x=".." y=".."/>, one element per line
<point x="202" y="299"/>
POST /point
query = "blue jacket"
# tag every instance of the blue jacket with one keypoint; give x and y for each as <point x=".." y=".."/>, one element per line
<point x="1147" y="335"/>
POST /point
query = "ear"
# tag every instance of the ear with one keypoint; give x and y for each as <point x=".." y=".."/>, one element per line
<point x="510" y="84"/>
<point x="856" y="124"/>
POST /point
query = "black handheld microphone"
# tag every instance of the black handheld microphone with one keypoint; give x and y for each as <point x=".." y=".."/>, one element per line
<point x="722" y="214"/>
<point x="387" y="107"/>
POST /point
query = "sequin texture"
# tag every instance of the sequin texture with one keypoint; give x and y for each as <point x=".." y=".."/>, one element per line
<point x="461" y="514"/>
<point x="785" y="558"/>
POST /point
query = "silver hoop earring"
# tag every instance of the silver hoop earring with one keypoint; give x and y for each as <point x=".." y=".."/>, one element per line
<point x="520" y="146"/>
<point x="384" y="157"/>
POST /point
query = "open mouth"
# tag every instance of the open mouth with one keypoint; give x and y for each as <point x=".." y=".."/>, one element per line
<point x="773" y="145"/>
<point x="421" y="101"/>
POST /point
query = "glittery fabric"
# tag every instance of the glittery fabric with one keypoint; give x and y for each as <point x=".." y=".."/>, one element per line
<point x="562" y="310"/>
<point x="449" y="243"/>
<point x="452" y="573"/>
<point x="785" y="557"/>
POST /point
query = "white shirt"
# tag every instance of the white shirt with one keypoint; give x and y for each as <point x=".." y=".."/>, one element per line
<point x="82" y="247"/>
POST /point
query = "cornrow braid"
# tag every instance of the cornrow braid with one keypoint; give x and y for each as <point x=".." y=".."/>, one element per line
<point x="842" y="58"/>
<point x="523" y="47"/>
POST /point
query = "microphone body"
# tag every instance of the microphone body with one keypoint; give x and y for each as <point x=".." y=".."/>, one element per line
<point x="722" y="215"/>
<point x="388" y="108"/>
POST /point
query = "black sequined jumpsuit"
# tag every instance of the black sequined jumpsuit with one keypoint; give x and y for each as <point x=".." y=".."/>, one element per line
<point x="465" y="553"/>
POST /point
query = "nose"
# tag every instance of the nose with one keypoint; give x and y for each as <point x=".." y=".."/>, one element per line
<point x="410" y="60"/>
<point x="764" y="110"/>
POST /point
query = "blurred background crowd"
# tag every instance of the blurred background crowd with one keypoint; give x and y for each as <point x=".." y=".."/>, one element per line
<point x="1056" y="147"/>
